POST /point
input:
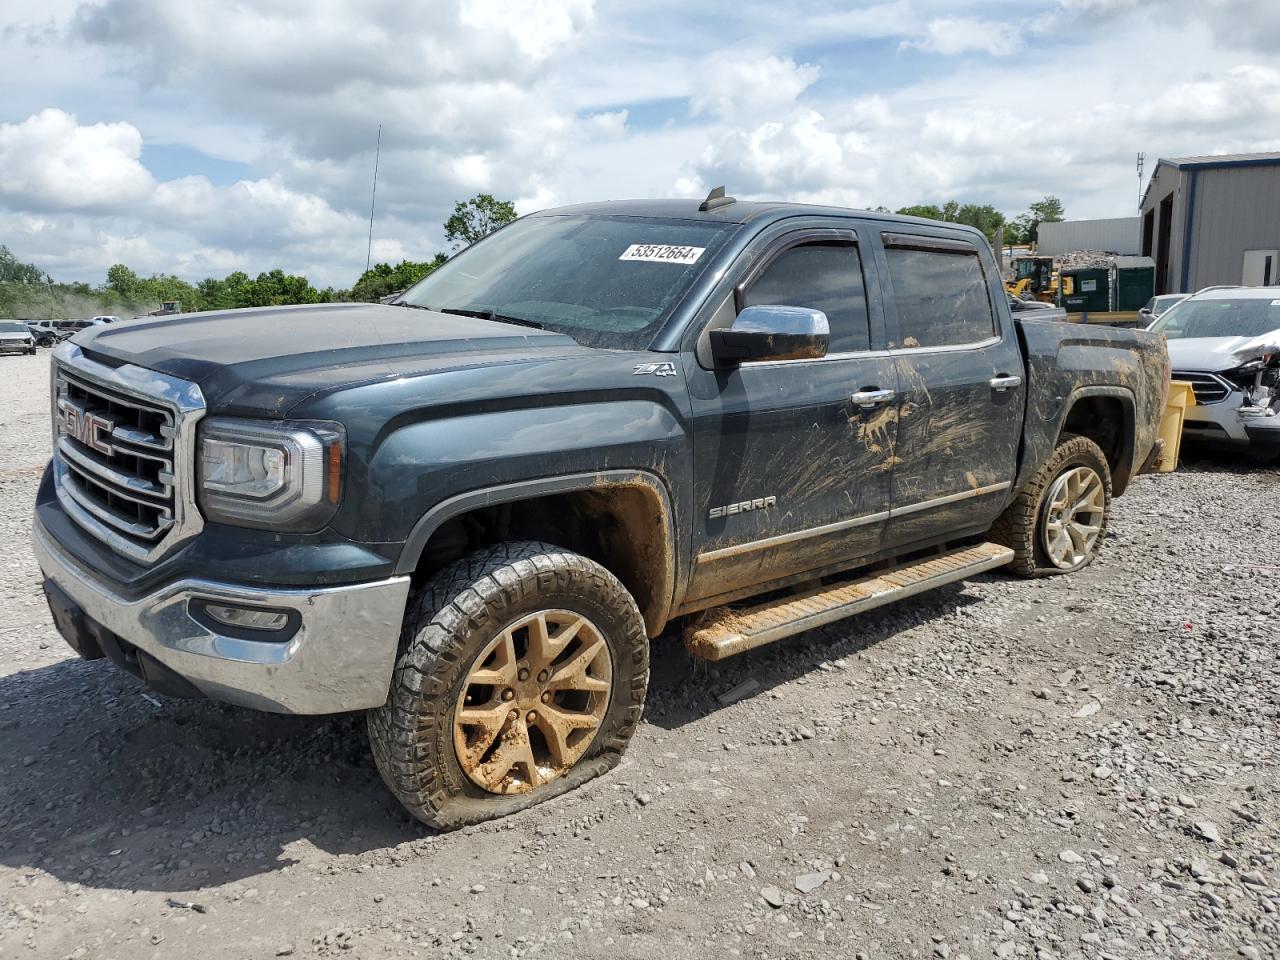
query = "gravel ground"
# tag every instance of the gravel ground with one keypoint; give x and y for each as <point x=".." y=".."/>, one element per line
<point x="1075" y="767"/>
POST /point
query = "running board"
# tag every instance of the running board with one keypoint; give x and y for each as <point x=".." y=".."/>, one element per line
<point x="723" y="632"/>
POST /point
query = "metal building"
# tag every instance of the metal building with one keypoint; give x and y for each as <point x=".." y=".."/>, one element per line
<point x="1114" y="235"/>
<point x="1213" y="220"/>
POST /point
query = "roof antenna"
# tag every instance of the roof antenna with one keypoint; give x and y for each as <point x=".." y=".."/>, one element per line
<point x="373" y="201"/>
<point x="715" y="198"/>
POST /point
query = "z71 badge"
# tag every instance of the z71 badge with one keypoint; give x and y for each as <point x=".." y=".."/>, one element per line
<point x="760" y="503"/>
<point x="657" y="369"/>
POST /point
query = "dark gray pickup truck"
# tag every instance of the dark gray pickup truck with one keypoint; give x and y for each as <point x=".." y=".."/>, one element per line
<point x="467" y="511"/>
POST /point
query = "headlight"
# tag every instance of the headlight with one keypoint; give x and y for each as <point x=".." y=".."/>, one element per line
<point x="275" y="474"/>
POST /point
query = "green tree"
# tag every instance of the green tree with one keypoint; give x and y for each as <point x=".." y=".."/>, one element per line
<point x="1048" y="210"/>
<point x="927" y="210"/>
<point x="124" y="281"/>
<point x="476" y="218"/>
<point x="382" y="279"/>
<point x="11" y="271"/>
<point x="985" y="217"/>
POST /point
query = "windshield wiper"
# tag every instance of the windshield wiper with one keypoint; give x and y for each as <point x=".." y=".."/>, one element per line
<point x="406" y="303"/>
<point x="487" y="315"/>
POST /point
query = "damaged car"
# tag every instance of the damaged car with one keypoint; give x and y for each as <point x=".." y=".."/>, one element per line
<point x="1225" y="342"/>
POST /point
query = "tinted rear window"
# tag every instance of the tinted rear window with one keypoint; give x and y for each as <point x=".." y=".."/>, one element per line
<point x="942" y="298"/>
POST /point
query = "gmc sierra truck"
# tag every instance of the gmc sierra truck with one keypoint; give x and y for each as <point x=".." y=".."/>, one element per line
<point x="468" y="511"/>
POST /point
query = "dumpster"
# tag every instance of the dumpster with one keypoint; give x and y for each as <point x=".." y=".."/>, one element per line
<point x="1134" y="283"/>
<point x="1087" y="290"/>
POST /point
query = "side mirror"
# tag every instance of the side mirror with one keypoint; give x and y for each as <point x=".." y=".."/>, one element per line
<point x="768" y="332"/>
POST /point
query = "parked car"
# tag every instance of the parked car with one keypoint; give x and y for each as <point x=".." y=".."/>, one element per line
<point x="1036" y="310"/>
<point x="1156" y="307"/>
<point x="43" y="336"/>
<point x="105" y="319"/>
<point x="1225" y="341"/>
<point x="75" y="326"/>
<point x="63" y="329"/>
<point x="467" y="512"/>
<point x="16" y="338"/>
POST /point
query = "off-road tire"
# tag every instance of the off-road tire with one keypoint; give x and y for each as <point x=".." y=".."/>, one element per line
<point x="1021" y="524"/>
<point x="447" y="623"/>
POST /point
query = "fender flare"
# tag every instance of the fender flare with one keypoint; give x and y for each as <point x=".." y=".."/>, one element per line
<point x="1129" y="428"/>
<point x="470" y="500"/>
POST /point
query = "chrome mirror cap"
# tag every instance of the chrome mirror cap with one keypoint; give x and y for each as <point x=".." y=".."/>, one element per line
<point x="771" y="332"/>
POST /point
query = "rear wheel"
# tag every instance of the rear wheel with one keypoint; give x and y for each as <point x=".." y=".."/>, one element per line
<point x="1059" y="520"/>
<point x="522" y="675"/>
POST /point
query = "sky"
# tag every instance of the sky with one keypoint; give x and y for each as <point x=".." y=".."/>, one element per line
<point x="202" y="137"/>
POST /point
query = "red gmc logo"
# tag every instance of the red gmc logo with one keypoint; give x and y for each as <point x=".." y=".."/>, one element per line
<point x="88" y="428"/>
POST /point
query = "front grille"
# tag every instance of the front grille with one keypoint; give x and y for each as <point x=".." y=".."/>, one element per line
<point x="122" y="453"/>
<point x="1207" y="387"/>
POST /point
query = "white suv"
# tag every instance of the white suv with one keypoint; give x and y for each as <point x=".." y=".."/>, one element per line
<point x="1225" y="341"/>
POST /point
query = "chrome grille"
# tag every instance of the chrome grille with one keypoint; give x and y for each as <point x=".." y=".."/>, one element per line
<point x="122" y="452"/>
<point x="1207" y="387"/>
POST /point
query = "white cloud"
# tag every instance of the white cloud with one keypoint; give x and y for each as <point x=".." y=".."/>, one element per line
<point x="49" y="162"/>
<point x="558" y="101"/>
<point x="951" y="36"/>
<point x="740" y="84"/>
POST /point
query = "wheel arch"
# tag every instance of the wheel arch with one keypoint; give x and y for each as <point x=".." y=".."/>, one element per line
<point x="1107" y="415"/>
<point x="620" y="518"/>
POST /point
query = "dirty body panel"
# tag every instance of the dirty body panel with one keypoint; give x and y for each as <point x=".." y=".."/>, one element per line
<point x="1068" y="364"/>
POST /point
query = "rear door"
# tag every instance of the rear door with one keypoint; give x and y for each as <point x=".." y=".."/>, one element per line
<point x="960" y="379"/>
<point x="791" y="473"/>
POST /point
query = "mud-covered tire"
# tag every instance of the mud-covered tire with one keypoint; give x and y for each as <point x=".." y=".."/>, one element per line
<point x="447" y="625"/>
<point x="1021" y="527"/>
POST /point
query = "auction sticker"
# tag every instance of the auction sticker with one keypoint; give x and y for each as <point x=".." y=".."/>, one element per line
<point x="662" y="253"/>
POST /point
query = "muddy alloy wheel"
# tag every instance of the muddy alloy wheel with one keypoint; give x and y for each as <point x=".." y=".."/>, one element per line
<point x="522" y="675"/>
<point x="1074" y="511"/>
<point x="1057" y="522"/>
<point x="532" y="702"/>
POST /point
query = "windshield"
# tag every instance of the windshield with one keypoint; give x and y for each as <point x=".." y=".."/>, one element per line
<point x="1250" y="317"/>
<point x="13" y="328"/>
<point x="605" y="281"/>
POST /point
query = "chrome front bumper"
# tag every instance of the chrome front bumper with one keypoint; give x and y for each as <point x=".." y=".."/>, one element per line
<point x="340" y="657"/>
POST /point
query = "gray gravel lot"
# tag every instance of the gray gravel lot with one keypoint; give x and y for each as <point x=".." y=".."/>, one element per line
<point x="1075" y="767"/>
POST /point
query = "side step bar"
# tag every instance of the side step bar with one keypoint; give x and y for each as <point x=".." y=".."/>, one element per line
<point x="724" y="632"/>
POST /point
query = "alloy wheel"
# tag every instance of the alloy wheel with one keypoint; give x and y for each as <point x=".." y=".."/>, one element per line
<point x="1074" y="512"/>
<point x="532" y="702"/>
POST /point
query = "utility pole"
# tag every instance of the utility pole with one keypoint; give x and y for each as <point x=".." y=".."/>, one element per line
<point x="373" y="202"/>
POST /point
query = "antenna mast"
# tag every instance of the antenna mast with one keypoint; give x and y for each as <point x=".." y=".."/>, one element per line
<point x="1142" y="159"/>
<point x="373" y="202"/>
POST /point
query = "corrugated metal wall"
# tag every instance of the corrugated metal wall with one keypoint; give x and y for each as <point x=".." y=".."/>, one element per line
<point x="1115" y="235"/>
<point x="1236" y="209"/>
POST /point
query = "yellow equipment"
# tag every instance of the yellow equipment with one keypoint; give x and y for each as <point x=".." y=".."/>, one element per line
<point x="1181" y="398"/>
<point x="1034" y="274"/>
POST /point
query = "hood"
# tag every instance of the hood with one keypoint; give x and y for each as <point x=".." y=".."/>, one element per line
<point x="312" y="347"/>
<point x="1212" y="353"/>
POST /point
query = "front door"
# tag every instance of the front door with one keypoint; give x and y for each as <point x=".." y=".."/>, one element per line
<point x="960" y="379"/>
<point x="791" y="471"/>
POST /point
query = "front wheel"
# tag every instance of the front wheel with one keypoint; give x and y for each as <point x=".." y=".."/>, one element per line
<point x="1058" y="522"/>
<point x="522" y="675"/>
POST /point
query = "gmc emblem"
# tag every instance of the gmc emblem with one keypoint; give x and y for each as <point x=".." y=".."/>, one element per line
<point x="88" y="428"/>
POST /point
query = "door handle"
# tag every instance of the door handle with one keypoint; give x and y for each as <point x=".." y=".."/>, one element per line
<point x="872" y="398"/>
<point x="1005" y="381"/>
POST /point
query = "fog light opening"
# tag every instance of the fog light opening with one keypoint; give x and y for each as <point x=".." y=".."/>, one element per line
<point x="247" y="618"/>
